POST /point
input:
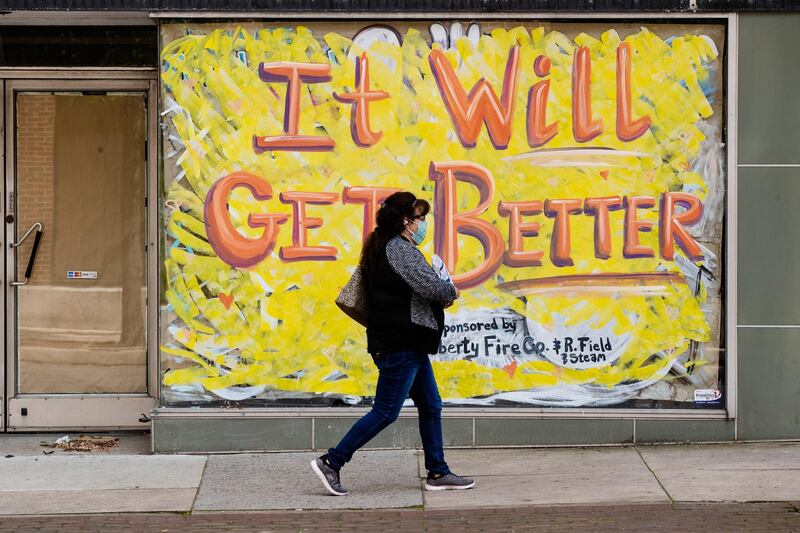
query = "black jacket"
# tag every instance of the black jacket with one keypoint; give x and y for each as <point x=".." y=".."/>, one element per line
<point x="405" y="297"/>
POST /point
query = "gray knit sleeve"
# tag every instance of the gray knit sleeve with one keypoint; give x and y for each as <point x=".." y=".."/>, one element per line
<point x="411" y="265"/>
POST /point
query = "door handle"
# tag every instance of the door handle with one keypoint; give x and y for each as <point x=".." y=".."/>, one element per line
<point x="32" y="259"/>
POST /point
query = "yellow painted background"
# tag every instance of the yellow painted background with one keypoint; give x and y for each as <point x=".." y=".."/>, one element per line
<point x="284" y="331"/>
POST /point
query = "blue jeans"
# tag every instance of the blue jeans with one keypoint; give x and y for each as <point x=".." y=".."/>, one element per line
<point x="401" y="374"/>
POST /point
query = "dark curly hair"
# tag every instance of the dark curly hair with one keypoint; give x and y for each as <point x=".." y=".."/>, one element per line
<point x="390" y="221"/>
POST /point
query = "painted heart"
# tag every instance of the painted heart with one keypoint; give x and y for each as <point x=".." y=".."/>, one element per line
<point x="226" y="299"/>
<point x="511" y="369"/>
<point x="604" y="174"/>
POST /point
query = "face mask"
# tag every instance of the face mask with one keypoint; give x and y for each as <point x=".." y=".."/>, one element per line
<point x="419" y="235"/>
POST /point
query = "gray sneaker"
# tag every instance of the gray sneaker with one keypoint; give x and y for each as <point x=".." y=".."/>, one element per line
<point x="328" y="476"/>
<point x="449" y="481"/>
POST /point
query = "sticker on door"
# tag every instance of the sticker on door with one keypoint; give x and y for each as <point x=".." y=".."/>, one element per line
<point x="81" y="274"/>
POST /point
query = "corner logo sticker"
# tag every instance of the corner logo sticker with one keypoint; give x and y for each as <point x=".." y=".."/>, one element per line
<point x="707" y="395"/>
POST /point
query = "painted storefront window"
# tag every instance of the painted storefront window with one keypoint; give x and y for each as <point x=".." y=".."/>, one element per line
<point x="577" y="173"/>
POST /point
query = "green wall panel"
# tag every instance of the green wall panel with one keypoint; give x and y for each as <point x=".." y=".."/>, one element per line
<point x="230" y="434"/>
<point x="404" y="433"/>
<point x="769" y="245"/>
<point x="768" y="80"/>
<point x="769" y="383"/>
<point x="656" y="430"/>
<point x="516" y="431"/>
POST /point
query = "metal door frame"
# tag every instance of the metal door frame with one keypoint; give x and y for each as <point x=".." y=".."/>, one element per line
<point x="51" y="412"/>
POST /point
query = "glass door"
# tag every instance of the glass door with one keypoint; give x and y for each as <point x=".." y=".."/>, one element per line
<point x="76" y="254"/>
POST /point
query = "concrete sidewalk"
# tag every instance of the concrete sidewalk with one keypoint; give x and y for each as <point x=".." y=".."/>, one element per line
<point x="134" y="481"/>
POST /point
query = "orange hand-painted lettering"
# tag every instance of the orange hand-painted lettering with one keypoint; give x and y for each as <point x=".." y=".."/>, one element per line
<point x="360" y="99"/>
<point x="584" y="129"/>
<point x="560" y="247"/>
<point x="633" y="226"/>
<point x="672" y="225"/>
<point x="627" y="128"/>
<point x="599" y="208"/>
<point x="516" y="256"/>
<point x="481" y="105"/>
<point x="230" y="245"/>
<point x="449" y="222"/>
<point x="371" y="197"/>
<point x="294" y="74"/>
<point x="539" y="133"/>
<point x="300" y="249"/>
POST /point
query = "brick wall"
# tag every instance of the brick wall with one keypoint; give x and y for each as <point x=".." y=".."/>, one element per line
<point x="35" y="174"/>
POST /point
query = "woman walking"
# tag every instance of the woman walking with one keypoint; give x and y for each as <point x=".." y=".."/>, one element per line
<point x="405" y="320"/>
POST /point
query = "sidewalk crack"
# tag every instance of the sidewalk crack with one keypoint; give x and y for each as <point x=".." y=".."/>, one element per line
<point x="671" y="500"/>
<point x="421" y="482"/>
<point x="200" y="484"/>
